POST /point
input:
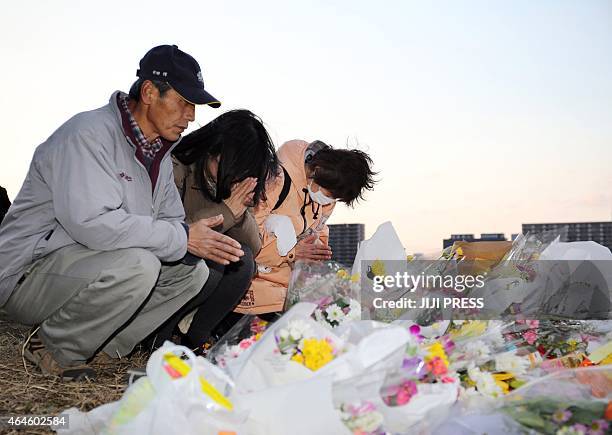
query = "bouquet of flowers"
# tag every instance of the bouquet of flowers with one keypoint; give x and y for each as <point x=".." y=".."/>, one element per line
<point x="567" y="402"/>
<point x="551" y="338"/>
<point x="425" y="362"/>
<point x="297" y="340"/>
<point x="363" y="418"/>
<point x="328" y="285"/>
<point x="244" y="334"/>
<point x="502" y="374"/>
<point x="334" y="312"/>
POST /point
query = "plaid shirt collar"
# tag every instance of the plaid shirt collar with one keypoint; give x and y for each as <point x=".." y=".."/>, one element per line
<point x="148" y="149"/>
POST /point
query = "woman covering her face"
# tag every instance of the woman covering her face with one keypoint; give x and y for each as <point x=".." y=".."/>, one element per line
<point x="292" y="217"/>
<point x="222" y="169"/>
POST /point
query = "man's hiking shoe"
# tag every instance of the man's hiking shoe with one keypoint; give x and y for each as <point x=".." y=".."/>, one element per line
<point x="35" y="351"/>
<point x="103" y="359"/>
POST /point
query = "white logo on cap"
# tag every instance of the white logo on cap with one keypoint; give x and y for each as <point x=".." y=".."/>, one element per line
<point x="200" y="77"/>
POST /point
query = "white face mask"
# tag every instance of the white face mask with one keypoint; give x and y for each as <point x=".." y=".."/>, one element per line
<point x="319" y="197"/>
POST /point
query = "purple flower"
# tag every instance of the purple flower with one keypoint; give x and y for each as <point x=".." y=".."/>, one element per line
<point x="449" y="345"/>
<point x="325" y="302"/>
<point x="410" y="363"/>
<point x="561" y="416"/>
<point x="580" y="428"/>
<point x="415" y="329"/>
<point x="599" y="427"/>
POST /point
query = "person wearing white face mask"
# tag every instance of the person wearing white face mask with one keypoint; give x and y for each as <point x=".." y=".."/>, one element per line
<point x="319" y="197"/>
<point x="292" y="219"/>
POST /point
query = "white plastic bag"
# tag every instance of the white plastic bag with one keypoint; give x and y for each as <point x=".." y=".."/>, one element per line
<point x="384" y="245"/>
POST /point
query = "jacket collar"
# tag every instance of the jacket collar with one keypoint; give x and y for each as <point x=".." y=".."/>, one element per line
<point x="113" y="104"/>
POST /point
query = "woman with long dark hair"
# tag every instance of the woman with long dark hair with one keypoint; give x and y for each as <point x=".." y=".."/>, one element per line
<point x="222" y="169"/>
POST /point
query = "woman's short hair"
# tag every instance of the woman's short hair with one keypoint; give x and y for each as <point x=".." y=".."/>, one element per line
<point x="347" y="174"/>
<point x="244" y="148"/>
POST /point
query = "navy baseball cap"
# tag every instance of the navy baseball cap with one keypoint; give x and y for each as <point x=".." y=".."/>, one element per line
<point x="169" y="64"/>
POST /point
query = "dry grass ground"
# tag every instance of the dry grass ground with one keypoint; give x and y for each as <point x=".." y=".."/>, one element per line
<point x="25" y="391"/>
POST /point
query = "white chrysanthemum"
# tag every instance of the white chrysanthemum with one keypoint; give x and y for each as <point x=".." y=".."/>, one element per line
<point x="569" y="430"/>
<point x="494" y="335"/>
<point x="485" y="384"/>
<point x="283" y="334"/>
<point x="511" y="363"/>
<point x="477" y="350"/>
<point x="299" y="329"/>
<point x="334" y="313"/>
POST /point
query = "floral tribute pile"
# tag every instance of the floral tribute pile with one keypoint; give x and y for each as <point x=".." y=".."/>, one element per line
<point x="321" y="368"/>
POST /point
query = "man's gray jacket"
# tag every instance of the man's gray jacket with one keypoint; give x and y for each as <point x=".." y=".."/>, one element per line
<point x="85" y="185"/>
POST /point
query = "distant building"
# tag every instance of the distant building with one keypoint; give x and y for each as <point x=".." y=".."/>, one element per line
<point x="600" y="232"/>
<point x="344" y="240"/>
<point x="484" y="237"/>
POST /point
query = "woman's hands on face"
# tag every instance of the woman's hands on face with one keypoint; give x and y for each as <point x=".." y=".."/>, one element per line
<point x="241" y="196"/>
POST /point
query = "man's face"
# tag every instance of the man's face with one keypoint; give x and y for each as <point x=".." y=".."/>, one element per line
<point x="169" y="115"/>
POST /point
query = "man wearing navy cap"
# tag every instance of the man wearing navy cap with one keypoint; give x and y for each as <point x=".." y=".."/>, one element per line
<point x="94" y="251"/>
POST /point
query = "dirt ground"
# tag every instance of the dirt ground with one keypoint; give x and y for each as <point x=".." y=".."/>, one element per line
<point x="23" y="390"/>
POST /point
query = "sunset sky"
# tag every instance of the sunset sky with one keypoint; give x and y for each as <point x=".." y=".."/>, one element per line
<point x="479" y="115"/>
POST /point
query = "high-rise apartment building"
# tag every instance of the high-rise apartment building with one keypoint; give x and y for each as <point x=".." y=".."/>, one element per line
<point x="344" y="240"/>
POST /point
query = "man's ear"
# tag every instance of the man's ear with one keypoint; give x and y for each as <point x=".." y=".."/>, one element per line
<point x="147" y="92"/>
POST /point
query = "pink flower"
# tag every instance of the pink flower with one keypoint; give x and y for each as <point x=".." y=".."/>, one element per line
<point x="437" y="366"/>
<point x="403" y="397"/>
<point x="401" y="394"/>
<point x="530" y="336"/>
<point x="447" y="380"/>
<point x="258" y="325"/>
<point x="415" y="329"/>
<point x="245" y="344"/>
<point x="533" y="323"/>
<point x="407" y="390"/>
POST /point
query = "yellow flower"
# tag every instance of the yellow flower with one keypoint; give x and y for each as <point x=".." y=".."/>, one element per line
<point x="572" y="344"/>
<point x="607" y="360"/>
<point x="342" y="274"/>
<point x="298" y="358"/>
<point x="499" y="380"/>
<point x="355" y="277"/>
<point x="315" y="353"/>
<point x="471" y="328"/>
<point x="378" y="268"/>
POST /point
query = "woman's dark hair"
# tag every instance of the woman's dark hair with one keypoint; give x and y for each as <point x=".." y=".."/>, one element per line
<point x="345" y="173"/>
<point x="245" y="149"/>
